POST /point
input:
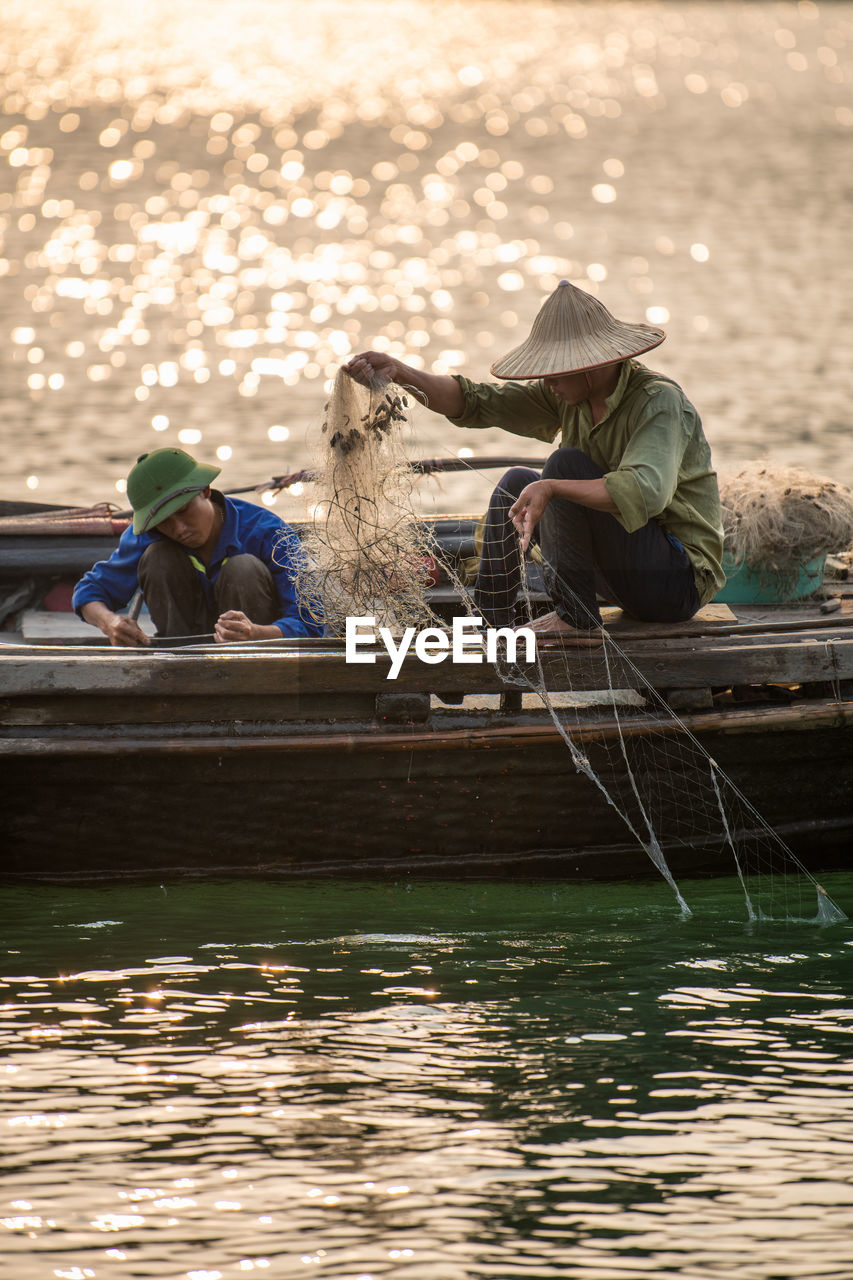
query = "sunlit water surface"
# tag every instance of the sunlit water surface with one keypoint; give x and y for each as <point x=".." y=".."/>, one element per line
<point x="409" y="1080"/>
<point x="207" y="206"/>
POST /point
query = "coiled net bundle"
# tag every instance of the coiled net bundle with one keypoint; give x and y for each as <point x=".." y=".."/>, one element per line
<point x="779" y="518"/>
<point x="366" y="557"/>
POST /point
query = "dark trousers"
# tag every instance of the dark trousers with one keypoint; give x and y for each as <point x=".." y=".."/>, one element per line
<point x="182" y="602"/>
<point x="586" y="553"/>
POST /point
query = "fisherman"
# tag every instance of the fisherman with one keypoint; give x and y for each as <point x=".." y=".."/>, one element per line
<point x="627" y="509"/>
<point x="205" y="563"/>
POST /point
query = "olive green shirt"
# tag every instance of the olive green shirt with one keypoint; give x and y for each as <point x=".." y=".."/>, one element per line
<point x="649" y="444"/>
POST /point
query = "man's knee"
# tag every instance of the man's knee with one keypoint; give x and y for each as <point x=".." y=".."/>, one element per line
<point x="246" y="584"/>
<point x="243" y="571"/>
<point x="163" y="560"/>
<point x="570" y="464"/>
<point x="513" y="481"/>
<point x="173" y="590"/>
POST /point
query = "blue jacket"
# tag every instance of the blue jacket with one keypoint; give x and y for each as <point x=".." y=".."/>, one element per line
<point x="247" y="528"/>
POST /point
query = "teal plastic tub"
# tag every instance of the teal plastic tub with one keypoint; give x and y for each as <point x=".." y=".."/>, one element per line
<point x="748" y="584"/>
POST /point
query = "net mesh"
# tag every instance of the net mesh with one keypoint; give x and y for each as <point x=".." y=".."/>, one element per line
<point x="365" y="554"/>
<point x="668" y="790"/>
<point x="370" y="555"/>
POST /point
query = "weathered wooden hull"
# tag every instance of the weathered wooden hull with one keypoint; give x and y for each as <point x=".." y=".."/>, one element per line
<point x="146" y="796"/>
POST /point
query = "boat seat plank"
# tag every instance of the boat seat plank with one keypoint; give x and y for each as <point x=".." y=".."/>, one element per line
<point x="53" y="628"/>
<point x="709" y="618"/>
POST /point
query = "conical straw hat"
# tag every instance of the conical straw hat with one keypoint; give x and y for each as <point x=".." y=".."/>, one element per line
<point x="573" y="332"/>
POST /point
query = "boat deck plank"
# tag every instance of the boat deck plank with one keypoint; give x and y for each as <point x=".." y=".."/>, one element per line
<point x="321" y="668"/>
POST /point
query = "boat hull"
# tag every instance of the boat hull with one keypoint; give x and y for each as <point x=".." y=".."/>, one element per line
<point x="377" y="803"/>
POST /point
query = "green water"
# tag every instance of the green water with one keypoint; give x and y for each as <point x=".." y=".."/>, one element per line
<point x="422" y="1081"/>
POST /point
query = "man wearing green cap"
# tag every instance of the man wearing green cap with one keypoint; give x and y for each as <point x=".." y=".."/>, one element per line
<point x="205" y="563"/>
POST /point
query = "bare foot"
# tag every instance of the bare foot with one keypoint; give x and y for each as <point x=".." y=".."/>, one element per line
<point x="552" y="625"/>
<point x="551" y="622"/>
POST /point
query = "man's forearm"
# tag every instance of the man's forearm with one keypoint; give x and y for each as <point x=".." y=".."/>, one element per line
<point x="586" y="493"/>
<point x="97" y="614"/>
<point x="438" y="392"/>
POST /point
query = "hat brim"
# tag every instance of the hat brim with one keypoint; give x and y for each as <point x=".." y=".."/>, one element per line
<point x="154" y="513"/>
<point x="534" y="360"/>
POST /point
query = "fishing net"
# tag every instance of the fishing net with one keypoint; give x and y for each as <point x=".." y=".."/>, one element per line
<point x="778" y="518"/>
<point x="653" y="771"/>
<point x="369" y="557"/>
<point x="365" y="554"/>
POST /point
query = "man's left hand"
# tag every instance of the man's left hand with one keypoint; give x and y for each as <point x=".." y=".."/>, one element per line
<point x="233" y="626"/>
<point x="526" y="511"/>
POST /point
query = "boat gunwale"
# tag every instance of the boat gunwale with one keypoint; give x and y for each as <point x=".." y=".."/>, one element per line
<point x="321" y="668"/>
<point x="805" y="717"/>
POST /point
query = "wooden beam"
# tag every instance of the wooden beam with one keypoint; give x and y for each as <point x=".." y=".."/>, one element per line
<point x="805" y="717"/>
<point x="269" y="709"/>
<point x="666" y="664"/>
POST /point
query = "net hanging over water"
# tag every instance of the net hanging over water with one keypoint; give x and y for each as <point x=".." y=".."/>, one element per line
<point x="369" y="555"/>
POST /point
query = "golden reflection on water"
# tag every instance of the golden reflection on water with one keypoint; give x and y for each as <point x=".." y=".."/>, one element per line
<point x="541" y="1077"/>
<point x="207" y="208"/>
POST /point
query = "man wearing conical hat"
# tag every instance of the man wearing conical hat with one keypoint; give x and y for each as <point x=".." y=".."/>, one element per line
<point x="206" y="563"/>
<point x="626" y="509"/>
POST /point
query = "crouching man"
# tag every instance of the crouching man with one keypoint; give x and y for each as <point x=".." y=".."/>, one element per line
<point x="205" y="563"/>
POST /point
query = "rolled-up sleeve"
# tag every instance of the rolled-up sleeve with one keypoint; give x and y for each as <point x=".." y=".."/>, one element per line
<point x="644" y="483"/>
<point x="525" y="409"/>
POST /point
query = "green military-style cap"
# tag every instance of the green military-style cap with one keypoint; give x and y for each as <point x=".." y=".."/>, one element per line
<point x="162" y="482"/>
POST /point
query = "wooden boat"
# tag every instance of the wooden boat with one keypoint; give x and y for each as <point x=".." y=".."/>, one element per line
<point x="281" y="759"/>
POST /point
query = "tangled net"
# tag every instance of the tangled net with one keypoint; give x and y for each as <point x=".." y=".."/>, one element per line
<point x="779" y="518"/>
<point x="364" y="554"/>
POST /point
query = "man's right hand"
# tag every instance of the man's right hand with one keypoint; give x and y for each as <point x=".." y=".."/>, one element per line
<point x="125" y="634"/>
<point x="438" y="391"/>
<point x="369" y="366"/>
<point x="121" y="632"/>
